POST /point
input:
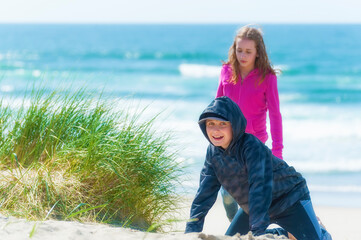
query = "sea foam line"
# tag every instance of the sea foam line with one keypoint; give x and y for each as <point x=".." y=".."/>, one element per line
<point x="336" y="189"/>
<point x="199" y="70"/>
<point x="328" y="166"/>
<point x="203" y="70"/>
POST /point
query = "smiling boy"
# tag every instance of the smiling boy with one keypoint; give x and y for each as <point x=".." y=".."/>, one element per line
<point x="219" y="131"/>
<point x="266" y="188"/>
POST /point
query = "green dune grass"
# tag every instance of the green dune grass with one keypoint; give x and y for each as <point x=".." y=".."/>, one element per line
<point x="70" y="156"/>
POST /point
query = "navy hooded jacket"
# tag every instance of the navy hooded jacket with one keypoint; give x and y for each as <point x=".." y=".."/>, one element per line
<point x="262" y="184"/>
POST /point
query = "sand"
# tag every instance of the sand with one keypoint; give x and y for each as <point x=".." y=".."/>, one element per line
<point x="342" y="223"/>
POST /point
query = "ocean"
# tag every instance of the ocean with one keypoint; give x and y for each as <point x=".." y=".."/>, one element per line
<point x="174" y="70"/>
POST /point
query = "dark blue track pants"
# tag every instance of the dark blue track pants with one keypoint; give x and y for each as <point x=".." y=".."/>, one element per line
<point x="300" y="220"/>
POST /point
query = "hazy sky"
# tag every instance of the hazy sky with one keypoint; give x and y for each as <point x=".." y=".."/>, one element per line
<point x="180" y="11"/>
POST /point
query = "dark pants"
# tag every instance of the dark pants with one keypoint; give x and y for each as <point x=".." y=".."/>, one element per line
<point x="230" y="205"/>
<point x="299" y="220"/>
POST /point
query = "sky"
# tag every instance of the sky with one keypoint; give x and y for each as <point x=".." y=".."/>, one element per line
<point x="180" y="11"/>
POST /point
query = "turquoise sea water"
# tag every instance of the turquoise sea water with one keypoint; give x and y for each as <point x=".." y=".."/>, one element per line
<point x="175" y="69"/>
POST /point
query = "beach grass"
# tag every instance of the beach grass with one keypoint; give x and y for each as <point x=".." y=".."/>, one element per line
<point x="71" y="156"/>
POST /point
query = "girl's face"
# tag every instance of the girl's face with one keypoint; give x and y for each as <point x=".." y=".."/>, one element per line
<point x="219" y="133"/>
<point x="246" y="53"/>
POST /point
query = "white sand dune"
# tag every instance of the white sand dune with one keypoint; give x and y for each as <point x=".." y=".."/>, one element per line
<point x="342" y="223"/>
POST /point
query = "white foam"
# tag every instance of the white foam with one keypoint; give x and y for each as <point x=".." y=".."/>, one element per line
<point x="308" y="129"/>
<point x="282" y="67"/>
<point x="203" y="70"/>
<point x="20" y="71"/>
<point x="36" y="73"/>
<point x="199" y="70"/>
<point x="336" y="189"/>
<point x="324" y="166"/>
<point x="6" y="88"/>
<point x="290" y="97"/>
<point x="306" y="122"/>
<point x="132" y="55"/>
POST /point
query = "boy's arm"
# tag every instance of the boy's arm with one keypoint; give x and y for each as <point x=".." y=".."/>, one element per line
<point x="260" y="177"/>
<point x="204" y="199"/>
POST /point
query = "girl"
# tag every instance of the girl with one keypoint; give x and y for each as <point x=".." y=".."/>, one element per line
<point x="249" y="80"/>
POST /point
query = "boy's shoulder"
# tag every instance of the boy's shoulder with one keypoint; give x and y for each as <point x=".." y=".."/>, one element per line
<point x="213" y="150"/>
<point x="250" y="141"/>
<point x="249" y="138"/>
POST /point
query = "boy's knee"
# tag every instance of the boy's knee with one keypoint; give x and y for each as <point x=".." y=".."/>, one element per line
<point x="227" y="199"/>
<point x="325" y="235"/>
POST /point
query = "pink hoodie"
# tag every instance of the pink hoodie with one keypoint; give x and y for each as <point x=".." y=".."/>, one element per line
<point x="254" y="100"/>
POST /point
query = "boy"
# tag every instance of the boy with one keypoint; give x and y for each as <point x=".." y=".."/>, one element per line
<point x="266" y="188"/>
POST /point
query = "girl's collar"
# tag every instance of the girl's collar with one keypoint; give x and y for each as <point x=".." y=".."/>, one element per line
<point x="251" y="73"/>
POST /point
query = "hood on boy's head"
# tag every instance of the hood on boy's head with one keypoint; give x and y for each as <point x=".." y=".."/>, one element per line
<point x="224" y="108"/>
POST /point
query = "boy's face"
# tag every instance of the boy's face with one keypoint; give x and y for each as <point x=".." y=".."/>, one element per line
<point x="219" y="132"/>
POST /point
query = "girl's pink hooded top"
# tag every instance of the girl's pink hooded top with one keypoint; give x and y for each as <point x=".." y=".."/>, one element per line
<point x="254" y="100"/>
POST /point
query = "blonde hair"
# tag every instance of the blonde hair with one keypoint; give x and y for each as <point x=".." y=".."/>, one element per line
<point x="262" y="62"/>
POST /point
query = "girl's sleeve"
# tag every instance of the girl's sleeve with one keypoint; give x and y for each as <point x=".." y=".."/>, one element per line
<point x="275" y="116"/>
<point x="204" y="199"/>
<point x="222" y="76"/>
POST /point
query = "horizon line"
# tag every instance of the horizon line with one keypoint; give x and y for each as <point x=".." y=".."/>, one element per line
<point x="179" y="23"/>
